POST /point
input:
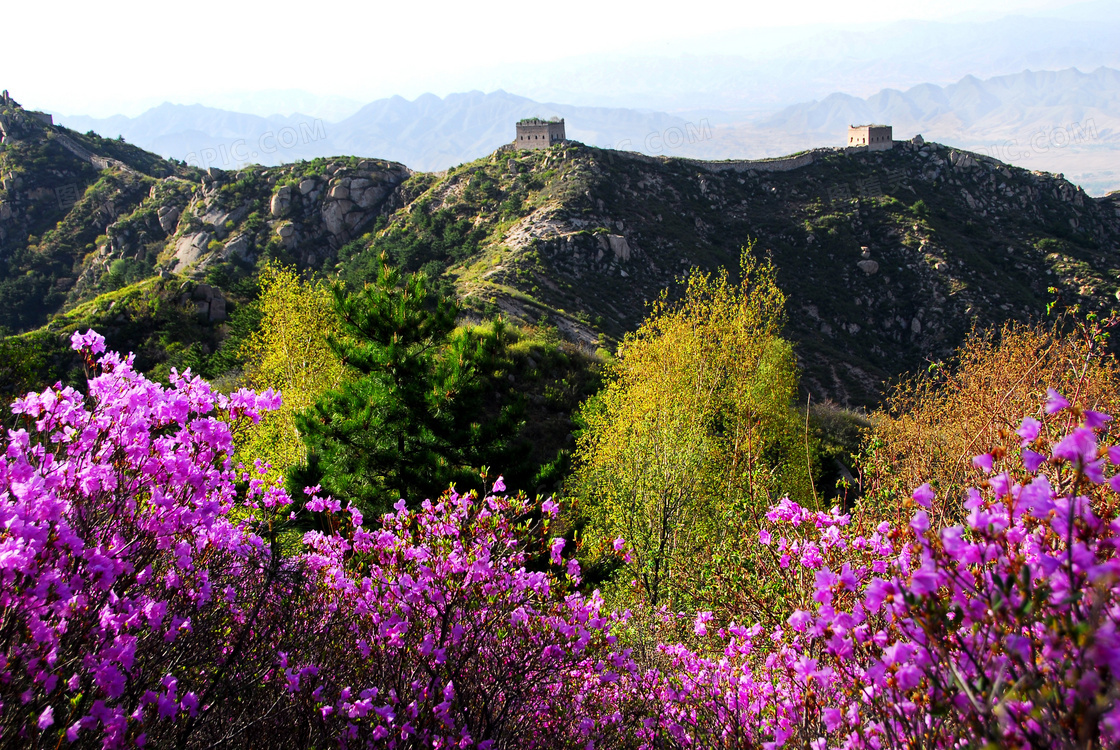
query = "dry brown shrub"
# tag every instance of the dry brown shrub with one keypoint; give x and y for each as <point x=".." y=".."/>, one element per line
<point x="933" y="424"/>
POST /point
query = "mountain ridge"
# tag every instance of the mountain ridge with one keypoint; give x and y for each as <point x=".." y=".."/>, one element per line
<point x="887" y="257"/>
<point x="1059" y="121"/>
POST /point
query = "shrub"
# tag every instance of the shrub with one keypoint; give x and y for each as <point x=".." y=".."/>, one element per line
<point x="288" y="352"/>
<point x="144" y="600"/>
<point x="132" y="606"/>
<point x="1000" y="631"/>
<point x="936" y="422"/>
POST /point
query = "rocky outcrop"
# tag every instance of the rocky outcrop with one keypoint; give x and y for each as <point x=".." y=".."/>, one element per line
<point x="168" y="218"/>
<point x="896" y="253"/>
<point x="281" y="201"/>
<point x="189" y="249"/>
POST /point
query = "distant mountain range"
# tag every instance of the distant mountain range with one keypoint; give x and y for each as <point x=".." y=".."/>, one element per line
<point x="428" y="133"/>
<point x="1060" y="121"/>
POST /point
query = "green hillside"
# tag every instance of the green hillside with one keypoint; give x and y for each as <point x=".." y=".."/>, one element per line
<point x="888" y="258"/>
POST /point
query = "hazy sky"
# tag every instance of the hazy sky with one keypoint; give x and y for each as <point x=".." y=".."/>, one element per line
<point x="101" y="58"/>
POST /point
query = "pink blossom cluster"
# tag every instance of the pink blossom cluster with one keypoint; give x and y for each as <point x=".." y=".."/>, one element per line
<point x="440" y="635"/>
<point x="146" y="598"/>
<point x="1001" y="631"/>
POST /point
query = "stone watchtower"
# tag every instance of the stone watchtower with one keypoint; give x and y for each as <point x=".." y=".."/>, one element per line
<point x="874" y="137"/>
<point x="536" y="133"/>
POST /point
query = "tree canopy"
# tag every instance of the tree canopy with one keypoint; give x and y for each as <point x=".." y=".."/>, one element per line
<point x="694" y="433"/>
<point x="290" y="353"/>
<point x="422" y="409"/>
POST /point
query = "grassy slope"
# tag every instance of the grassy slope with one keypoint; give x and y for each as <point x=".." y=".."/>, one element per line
<point x="530" y="234"/>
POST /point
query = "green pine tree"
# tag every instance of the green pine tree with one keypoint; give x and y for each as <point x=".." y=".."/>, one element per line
<point x="422" y="411"/>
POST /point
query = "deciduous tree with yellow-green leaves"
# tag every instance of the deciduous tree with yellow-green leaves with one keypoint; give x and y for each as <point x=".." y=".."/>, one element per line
<point x="694" y="434"/>
<point x="290" y="353"/>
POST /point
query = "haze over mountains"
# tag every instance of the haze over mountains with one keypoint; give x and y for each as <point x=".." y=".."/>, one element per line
<point x="1063" y="121"/>
<point x="428" y="133"/>
<point x="1039" y="89"/>
<point x="761" y="70"/>
<point x="1057" y="121"/>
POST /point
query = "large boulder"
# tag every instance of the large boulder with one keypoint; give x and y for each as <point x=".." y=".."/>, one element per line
<point x="281" y="201"/>
<point x="217" y="310"/>
<point x="619" y="246"/>
<point x="334" y="217"/>
<point x="189" y="249"/>
<point x="370" y="196"/>
<point x="238" y="245"/>
<point x="288" y="235"/>
<point x="168" y="218"/>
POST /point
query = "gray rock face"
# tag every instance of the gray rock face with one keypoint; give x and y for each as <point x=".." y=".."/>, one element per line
<point x="339" y="192"/>
<point x="281" y="201"/>
<point x="306" y="187"/>
<point x="168" y="218"/>
<point x="334" y="217"/>
<point x="370" y="197"/>
<point x="288" y="235"/>
<point x="189" y="249"/>
<point x="961" y="160"/>
<point x="217" y="311"/>
<point x="238" y="246"/>
<point x="869" y="267"/>
<point x="619" y="246"/>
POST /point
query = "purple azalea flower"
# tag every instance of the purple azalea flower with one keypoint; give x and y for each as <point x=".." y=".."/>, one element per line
<point x="1028" y="430"/>
<point x="1032" y="460"/>
<point x="1078" y="447"/>
<point x="983" y="461"/>
<point x="825" y="580"/>
<point x="700" y="627"/>
<point x="924" y="495"/>
<point x="1055" y="401"/>
<point x="1096" y="420"/>
<point x="877" y="592"/>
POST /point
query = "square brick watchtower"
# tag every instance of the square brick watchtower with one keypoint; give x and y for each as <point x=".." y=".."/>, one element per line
<point x="874" y="137"/>
<point x="535" y="133"/>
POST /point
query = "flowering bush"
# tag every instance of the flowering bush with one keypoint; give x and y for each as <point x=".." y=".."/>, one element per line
<point x="457" y="641"/>
<point x="128" y="594"/>
<point x="1001" y="630"/>
<point x="145" y="600"/>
